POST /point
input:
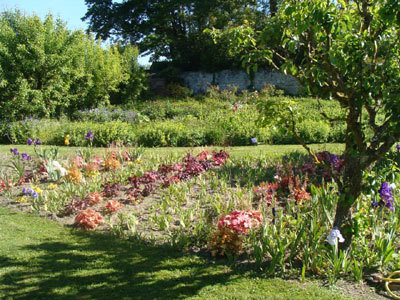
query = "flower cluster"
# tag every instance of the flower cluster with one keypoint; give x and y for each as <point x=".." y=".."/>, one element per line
<point x="57" y="167"/>
<point x="74" y="175"/>
<point x="241" y="221"/>
<point x="66" y="140"/>
<point x="113" y="206"/>
<point x="88" y="219"/>
<point x="33" y="141"/>
<point x="189" y="167"/>
<point x="300" y="195"/>
<point x="385" y="193"/>
<point x="32" y="191"/>
<point x="111" y="162"/>
<point x="94" y="198"/>
<point x="24" y="156"/>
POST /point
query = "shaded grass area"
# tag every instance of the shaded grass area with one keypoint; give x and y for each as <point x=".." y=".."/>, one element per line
<point x="39" y="259"/>
<point x="272" y="151"/>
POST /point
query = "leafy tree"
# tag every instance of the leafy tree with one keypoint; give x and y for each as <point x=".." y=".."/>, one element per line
<point x="46" y="69"/>
<point x="174" y="29"/>
<point x="350" y="52"/>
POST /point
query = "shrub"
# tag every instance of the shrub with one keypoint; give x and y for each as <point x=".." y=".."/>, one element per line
<point x="175" y="90"/>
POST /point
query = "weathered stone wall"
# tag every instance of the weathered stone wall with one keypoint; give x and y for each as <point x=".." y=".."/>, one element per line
<point x="200" y="81"/>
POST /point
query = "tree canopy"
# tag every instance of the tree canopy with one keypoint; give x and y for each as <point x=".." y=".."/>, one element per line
<point x="46" y="69"/>
<point x="174" y="30"/>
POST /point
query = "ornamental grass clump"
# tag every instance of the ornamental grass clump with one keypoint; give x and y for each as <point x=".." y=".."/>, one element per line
<point x="88" y="219"/>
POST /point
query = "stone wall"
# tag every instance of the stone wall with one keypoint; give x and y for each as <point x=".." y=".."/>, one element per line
<point x="199" y="81"/>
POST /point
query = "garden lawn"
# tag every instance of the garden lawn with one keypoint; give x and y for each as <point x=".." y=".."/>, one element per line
<point x="272" y="151"/>
<point x="39" y="259"/>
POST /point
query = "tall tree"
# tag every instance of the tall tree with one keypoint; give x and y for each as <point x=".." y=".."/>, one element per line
<point x="174" y="29"/>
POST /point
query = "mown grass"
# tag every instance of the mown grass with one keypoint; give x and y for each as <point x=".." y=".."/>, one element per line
<point x="40" y="259"/>
<point x="272" y="151"/>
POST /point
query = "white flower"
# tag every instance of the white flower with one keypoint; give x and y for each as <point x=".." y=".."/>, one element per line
<point x="334" y="235"/>
<point x="59" y="168"/>
<point x="392" y="186"/>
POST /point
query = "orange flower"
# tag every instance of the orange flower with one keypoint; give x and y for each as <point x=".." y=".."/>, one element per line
<point x="88" y="219"/>
<point x="74" y="175"/>
<point x="111" y="163"/>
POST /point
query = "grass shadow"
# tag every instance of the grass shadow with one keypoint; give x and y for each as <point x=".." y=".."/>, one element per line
<point x="100" y="266"/>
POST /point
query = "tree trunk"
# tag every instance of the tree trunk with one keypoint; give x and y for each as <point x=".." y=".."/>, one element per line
<point x="350" y="191"/>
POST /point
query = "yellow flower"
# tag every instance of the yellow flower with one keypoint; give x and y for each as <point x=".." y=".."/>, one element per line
<point x="22" y="199"/>
<point x="138" y="160"/>
<point x="66" y="140"/>
<point x="36" y="189"/>
<point x="52" y="186"/>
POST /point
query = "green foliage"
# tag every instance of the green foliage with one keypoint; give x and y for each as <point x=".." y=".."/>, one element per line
<point x="47" y="70"/>
<point x="175" y="90"/>
<point x="188" y="48"/>
<point x="186" y="122"/>
<point x="347" y="51"/>
<point x="52" y="132"/>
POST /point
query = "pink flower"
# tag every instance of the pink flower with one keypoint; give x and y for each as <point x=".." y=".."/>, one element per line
<point x="113" y="206"/>
<point x="78" y="161"/>
<point x="241" y="221"/>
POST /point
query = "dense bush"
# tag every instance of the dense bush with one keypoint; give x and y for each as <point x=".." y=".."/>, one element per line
<point x="47" y="70"/>
<point x="53" y="132"/>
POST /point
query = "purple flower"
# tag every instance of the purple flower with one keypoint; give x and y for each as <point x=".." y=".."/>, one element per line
<point x="30" y="141"/>
<point x="385" y="192"/>
<point x="334" y="159"/>
<point x="25" y="156"/>
<point x="30" y="192"/>
<point x="15" y="151"/>
<point x="37" y="142"/>
<point x="89" y="135"/>
<point x="254" y="140"/>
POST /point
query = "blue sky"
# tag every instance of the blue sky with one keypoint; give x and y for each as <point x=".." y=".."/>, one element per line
<point x="71" y="11"/>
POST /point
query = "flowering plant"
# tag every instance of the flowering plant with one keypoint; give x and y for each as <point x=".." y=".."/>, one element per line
<point x="225" y="241"/>
<point x="266" y="191"/>
<point x="94" y="198"/>
<point x="88" y="219"/>
<point x="385" y="193"/>
<point x="241" y="221"/>
<point x="113" y="206"/>
<point x="74" y="175"/>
